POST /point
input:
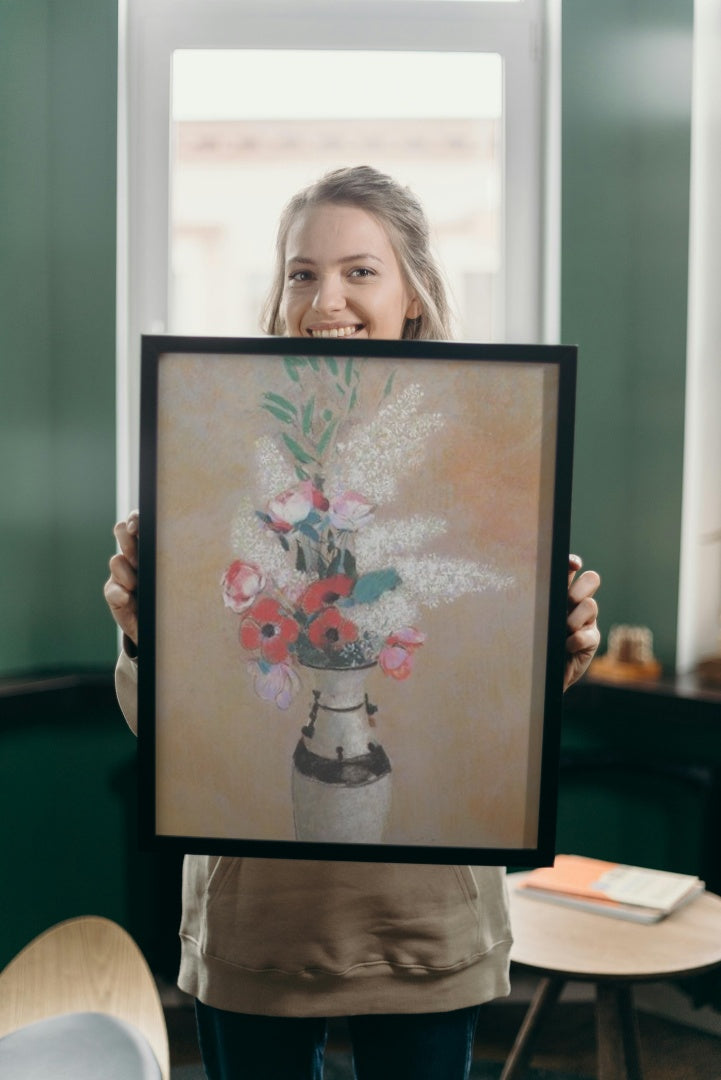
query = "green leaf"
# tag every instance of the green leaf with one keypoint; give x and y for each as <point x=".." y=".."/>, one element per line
<point x="348" y="374"/>
<point x="371" y="586"/>
<point x="353" y="399"/>
<point x="308" y="531"/>
<point x="340" y="388"/>
<point x="308" y="416"/>
<point x="277" y="413"/>
<point x="313" y="361"/>
<point x="389" y="384"/>
<point x="332" y="364"/>
<point x="301" y="473"/>
<point x="334" y="564"/>
<point x="296" y="450"/>
<point x="300" y="563"/>
<point x="325" y="438"/>
<point x="327" y="414"/>
<point x="291" y="364"/>
<point x="282" y="402"/>
<point x="349" y="563"/>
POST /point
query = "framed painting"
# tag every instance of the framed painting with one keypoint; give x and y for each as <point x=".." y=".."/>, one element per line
<point x="352" y="597"/>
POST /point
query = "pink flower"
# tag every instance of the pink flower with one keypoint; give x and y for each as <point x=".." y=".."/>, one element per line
<point x="331" y="631"/>
<point x="293" y="506"/>
<point x="350" y="511"/>
<point x="241" y="583"/>
<point x="325" y="592"/>
<point x="267" y="628"/>
<point x="274" y="682"/>
<point x="396" y="656"/>
<point x="408" y="637"/>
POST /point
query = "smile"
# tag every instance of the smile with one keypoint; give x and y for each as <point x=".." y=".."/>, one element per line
<point x="335" y="331"/>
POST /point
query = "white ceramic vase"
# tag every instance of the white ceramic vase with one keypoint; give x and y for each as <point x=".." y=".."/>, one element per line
<point x="341" y="779"/>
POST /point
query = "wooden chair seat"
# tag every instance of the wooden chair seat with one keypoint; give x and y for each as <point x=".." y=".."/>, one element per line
<point x="84" y="965"/>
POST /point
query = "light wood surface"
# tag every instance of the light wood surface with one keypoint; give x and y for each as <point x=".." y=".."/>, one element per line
<point x="578" y="944"/>
<point x="89" y="964"/>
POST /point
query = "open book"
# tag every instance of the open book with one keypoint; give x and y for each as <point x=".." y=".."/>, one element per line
<point x="608" y="888"/>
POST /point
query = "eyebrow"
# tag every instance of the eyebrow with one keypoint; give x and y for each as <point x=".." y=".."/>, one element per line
<point x="362" y="256"/>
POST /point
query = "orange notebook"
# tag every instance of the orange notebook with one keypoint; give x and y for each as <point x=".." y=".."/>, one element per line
<point x="631" y="892"/>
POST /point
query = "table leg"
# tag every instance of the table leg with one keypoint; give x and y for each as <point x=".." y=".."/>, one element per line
<point x="545" y="997"/>
<point x="617" y="1033"/>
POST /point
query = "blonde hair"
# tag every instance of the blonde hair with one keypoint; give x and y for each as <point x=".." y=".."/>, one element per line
<point x="403" y="217"/>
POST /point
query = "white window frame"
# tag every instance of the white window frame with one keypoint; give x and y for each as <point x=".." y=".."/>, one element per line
<point x="526" y="34"/>
<point x="699" y="597"/>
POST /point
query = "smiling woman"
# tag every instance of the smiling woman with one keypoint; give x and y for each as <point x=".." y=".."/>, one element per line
<point x="337" y="293"/>
<point x="353" y="259"/>
<point x="270" y="946"/>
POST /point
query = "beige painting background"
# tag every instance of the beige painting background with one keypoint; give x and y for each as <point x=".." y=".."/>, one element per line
<point x="463" y="732"/>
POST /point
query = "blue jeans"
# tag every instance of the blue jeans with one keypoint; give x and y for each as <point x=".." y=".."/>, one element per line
<point x="413" y="1046"/>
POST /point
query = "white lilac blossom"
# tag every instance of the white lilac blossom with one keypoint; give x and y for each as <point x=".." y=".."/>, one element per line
<point x="384" y="541"/>
<point x="388" y="448"/>
<point x="433" y="580"/>
<point x="273" y="473"/>
<point x="392" y="610"/>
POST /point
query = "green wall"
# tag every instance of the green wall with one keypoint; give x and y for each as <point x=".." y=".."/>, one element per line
<point x="626" y="146"/>
<point x="58" y="72"/>
<point x="67" y="771"/>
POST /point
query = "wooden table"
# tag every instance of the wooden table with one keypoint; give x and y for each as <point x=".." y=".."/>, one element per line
<point x="563" y="944"/>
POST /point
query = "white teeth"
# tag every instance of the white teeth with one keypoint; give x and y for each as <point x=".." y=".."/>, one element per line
<point x="335" y="332"/>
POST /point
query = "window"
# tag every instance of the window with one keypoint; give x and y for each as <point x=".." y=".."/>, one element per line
<point x="236" y="160"/>
<point x="448" y="95"/>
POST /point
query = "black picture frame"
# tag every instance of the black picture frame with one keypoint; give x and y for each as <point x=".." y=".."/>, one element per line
<point x="467" y="550"/>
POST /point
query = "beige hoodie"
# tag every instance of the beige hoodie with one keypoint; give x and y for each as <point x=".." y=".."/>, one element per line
<point x="296" y="938"/>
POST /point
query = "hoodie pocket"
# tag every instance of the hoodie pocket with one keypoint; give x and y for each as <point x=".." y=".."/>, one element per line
<point x="468" y="884"/>
<point x="203" y="877"/>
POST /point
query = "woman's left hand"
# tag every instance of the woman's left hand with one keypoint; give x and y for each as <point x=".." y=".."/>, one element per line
<point x="583" y="635"/>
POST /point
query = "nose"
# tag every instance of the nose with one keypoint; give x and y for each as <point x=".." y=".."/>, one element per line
<point x="329" y="295"/>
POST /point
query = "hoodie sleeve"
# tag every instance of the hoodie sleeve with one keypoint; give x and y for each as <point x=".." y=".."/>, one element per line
<point x="126" y="688"/>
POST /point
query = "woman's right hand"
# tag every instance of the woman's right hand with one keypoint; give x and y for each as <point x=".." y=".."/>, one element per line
<point x="121" y="587"/>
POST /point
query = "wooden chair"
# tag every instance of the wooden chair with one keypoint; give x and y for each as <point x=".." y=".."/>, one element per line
<point x="89" y="971"/>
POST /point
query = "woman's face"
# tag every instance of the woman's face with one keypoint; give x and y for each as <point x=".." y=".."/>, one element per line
<point x="342" y="277"/>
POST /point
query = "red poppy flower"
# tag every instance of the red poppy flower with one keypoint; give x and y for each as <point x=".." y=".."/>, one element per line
<point x="325" y="592"/>
<point x="268" y="629"/>
<point x="330" y="630"/>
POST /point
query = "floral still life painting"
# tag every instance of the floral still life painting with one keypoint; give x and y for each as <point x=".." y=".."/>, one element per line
<point x="365" y="545"/>
<point x="326" y="577"/>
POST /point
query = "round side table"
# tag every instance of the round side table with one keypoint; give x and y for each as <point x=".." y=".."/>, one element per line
<point x="563" y="944"/>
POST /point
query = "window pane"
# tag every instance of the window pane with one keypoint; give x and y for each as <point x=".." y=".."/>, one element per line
<point x="252" y="127"/>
